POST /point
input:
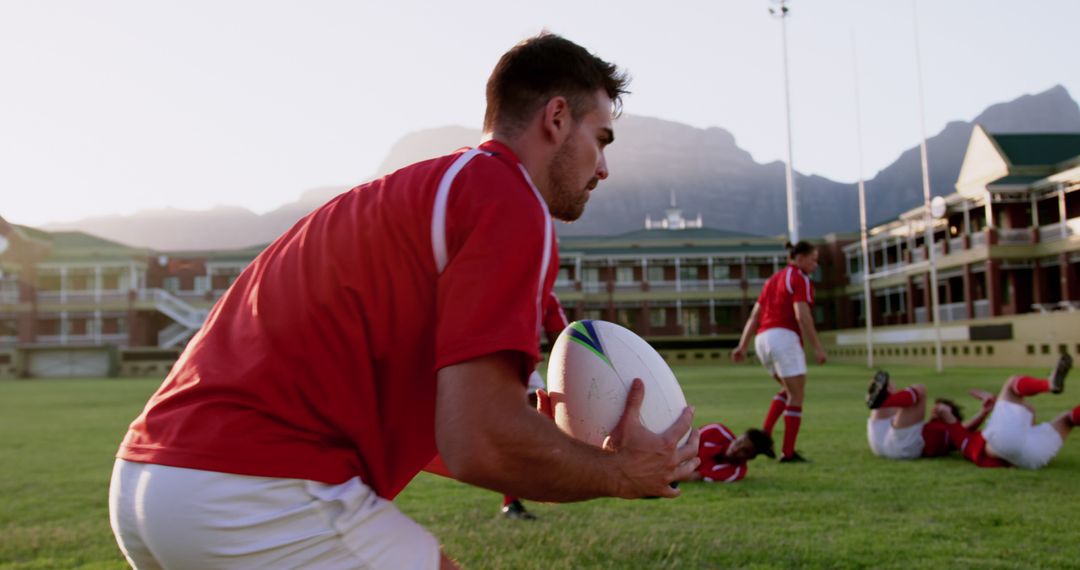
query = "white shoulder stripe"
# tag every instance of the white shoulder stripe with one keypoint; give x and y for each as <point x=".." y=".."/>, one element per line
<point x="546" y="257"/>
<point x="787" y="280"/>
<point x="809" y="294"/>
<point x="438" y="214"/>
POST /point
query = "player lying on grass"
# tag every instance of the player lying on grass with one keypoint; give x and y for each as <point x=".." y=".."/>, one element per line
<point x="1012" y="434"/>
<point x="724" y="456"/>
<point x="898" y="428"/>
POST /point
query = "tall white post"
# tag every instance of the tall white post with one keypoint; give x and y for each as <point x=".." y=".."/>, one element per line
<point x="792" y="204"/>
<point x="862" y="216"/>
<point x="927" y="219"/>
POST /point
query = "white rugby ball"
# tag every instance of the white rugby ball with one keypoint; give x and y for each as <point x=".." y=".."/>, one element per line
<point x="592" y="366"/>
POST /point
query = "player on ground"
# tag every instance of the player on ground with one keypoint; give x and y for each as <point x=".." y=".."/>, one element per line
<point x="397" y="321"/>
<point x="897" y="427"/>
<point x="781" y="318"/>
<point x="724" y="456"/>
<point x="1012" y="435"/>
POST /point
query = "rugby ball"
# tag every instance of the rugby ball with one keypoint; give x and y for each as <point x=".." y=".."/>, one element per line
<point x="592" y="366"/>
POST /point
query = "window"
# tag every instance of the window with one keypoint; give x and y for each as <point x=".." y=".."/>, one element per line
<point x="656" y="273"/>
<point x="658" y="317"/>
<point x="592" y="274"/>
<point x="688" y="273"/>
<point x="171" y="284"/>
<point x="627" y="317"/>
<point x="624" y="274"/>
<point x="721" y="272"/>
<point x="202" y="283"/>
<point x="594" y="314"/>
<point x="564" y="274"/>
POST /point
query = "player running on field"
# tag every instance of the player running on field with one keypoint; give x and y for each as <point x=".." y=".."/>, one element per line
<point x="398" y="321"/>
<point x="724" y="456"/>
<point x="782" y="318"/>
<point x="898" y="429"/>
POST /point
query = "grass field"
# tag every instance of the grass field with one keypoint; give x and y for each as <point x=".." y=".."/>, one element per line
<point x="846" y="510"/>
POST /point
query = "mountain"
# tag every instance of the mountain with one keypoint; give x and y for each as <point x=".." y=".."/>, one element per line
<point x="708" y="171"/>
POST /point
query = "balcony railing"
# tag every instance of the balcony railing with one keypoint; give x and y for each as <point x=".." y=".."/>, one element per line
<point x="628" y="285"/>
<point x="1059" y="231"/>
<point x="693" y="285"/>
<point x="918" y="254"/>
<point x="978" y="238"/>
<point x="594" y="286"/>
<point x="946" y="312"/>
<point x="1015" y="236"/>
<point x="982" y="308"/>
<point x="661" y="285"/>
<point x="956" y="244"/>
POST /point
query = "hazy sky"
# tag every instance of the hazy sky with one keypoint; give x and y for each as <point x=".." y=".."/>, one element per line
<point x="113" y="106"/>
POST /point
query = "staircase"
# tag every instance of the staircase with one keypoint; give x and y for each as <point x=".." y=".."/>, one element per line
<point x="187" y="319"/>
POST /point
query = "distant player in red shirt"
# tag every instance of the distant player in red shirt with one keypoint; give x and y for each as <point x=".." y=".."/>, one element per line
<point x="724" y="455"/>
<point x="898" y="428"/>
<point x="397" y="321"/>
<point x="782" y="318"/>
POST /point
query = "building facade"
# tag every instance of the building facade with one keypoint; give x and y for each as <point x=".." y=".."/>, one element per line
<point x="1006" y="249"/>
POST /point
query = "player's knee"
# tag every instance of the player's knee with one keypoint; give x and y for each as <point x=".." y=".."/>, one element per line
<point x="920" y="392"/>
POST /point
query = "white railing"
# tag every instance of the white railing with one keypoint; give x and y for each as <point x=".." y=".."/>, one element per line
<point x="559" y="284"/>
<point x="1059" y="231"/>
<point x="593" y="287"/>
<point x="956" y="244"/>
<point x="982" y="308"/>
<point x="693" y="285"/>
<point x="918" y="254"/>
<point x="978" y="238"/>
<point x="9" y="297"/>
<point x="1014" y="236"/>
<point x="717" y="283"/>
<point x="856" y="278"/>
<point x="173" y="335"/>
<point x="82" y="339"/>
<point x="628" y="285"/>
<point x="175" y="308"/>
<point x="952" y="311"/>
<point x="946" y="312"/>
<point x="661" y="285"/>
<point x="939" y="249"/>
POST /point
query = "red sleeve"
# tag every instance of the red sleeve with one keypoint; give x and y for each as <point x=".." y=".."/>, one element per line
<point x="725" y="472"/>
<point x="554" y="317"/>
<point x="489" y="295"/>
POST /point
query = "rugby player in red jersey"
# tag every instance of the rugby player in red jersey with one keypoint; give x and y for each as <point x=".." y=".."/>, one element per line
<point x="724" y="455"/>
<point x="398" y="321"/>
<point x="898" y="428"/>
<point x="1012" y="435"/>
<point x="782" y="318"/>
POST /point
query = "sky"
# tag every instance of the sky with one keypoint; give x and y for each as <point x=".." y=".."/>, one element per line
<point x="114" y="106"/>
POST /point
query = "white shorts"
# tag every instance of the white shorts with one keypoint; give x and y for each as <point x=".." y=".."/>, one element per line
<point x="536" y="382"/>
<point x="168" y="517"/>
<point x="781" y="352"/>
<point x="894" y="443"/>
<point x="1010" y="436"/>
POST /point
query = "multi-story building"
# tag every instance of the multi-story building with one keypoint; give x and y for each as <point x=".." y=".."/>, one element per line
<point x="1006" y="251"/>
<point x="1006" y="246"/>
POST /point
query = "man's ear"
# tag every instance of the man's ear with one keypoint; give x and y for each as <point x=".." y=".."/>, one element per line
<point x="557" y="119"/>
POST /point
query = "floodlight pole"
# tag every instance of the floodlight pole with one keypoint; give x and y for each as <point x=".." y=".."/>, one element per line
<point x="792" y="210"/>
<point x="928" y="220"/>
<point x="862" y="214"/>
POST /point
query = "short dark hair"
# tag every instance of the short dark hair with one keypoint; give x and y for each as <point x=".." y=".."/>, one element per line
<point x="540" y="68"/>
<point x="952" y="406"/>
<point x="762" y="442"/>
<point x="802" y="248"/>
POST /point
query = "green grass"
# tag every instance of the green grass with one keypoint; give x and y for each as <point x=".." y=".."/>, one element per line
<point x="848" y="509"/>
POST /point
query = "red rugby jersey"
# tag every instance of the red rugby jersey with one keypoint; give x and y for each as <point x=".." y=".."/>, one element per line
<point x="320" y="362"/>
<point x="778" y="298"/>
<point x="935" y="435"/>
<point x="715" y="439"/>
